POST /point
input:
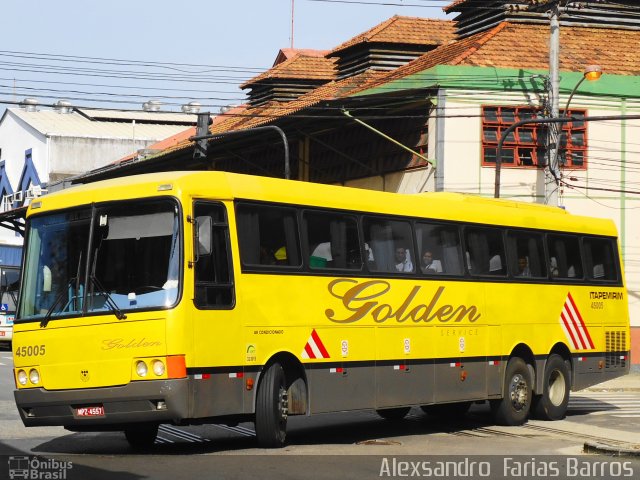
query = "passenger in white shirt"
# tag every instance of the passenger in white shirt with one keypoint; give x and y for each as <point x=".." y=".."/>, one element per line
<point x="403" y="260"/>
<point x="429" y="265"/>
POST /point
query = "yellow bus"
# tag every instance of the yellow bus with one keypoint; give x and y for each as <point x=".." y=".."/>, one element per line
<point x="210" y="297"/>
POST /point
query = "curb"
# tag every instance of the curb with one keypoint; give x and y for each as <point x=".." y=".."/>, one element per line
<point x="612" y="389"/>
<point x="628" y="450"/>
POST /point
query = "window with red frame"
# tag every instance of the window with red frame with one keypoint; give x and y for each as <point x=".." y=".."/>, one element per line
<point x="526" y="146"/>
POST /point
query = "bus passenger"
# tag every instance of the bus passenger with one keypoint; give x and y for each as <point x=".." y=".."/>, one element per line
<point x="281" y="256"/>
<point x="403" y="260"/>
<point x="429" y="265"/>
<point x="523" y="267"/>
<point x="321" y="256"/>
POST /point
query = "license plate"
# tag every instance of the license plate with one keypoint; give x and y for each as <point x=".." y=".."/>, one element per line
<point x="97" y="411"/>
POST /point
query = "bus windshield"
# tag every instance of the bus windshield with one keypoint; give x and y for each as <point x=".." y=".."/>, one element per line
<point x="115" y="258"/>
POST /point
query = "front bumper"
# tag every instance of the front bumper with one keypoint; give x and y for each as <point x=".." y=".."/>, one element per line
<point x="148" y="401"/>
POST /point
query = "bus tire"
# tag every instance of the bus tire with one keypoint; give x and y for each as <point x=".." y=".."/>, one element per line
<point x="513" y="408"/>
<point x="141" y="436"/>
<point x="552" y="403"/>
<point x="448" y="410"/>
<point x="393" y="414"/>
<point x="272" y="408"/>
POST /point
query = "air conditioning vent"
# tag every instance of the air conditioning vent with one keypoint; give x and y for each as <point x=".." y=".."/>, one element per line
<point x="615" y="346"/>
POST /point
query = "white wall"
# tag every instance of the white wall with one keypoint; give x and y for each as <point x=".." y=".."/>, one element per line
<point x="72" y="156"/>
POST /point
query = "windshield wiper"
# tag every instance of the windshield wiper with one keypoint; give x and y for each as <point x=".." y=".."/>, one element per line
<point x="65" y="290"/>
<point x="108" y="299"/>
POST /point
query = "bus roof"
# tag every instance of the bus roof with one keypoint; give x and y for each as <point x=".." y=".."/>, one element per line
<point x="229" y="186"/>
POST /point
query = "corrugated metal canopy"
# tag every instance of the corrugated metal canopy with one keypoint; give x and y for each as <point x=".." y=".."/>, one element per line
<point x="155" y="117"/>
<point x="74" y="124"/>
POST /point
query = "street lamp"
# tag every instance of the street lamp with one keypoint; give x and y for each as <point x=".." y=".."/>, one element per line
<point x="552" y="172"/>
<point x="591" y="73"/>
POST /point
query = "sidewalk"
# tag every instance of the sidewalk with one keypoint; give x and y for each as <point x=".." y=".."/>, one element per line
<point x="628" y="383"/>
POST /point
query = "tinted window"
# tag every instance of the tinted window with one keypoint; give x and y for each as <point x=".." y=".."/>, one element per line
<point x="485" y="251"/>
<point x="332" y="241"/>
<point x="9" y="284"/>
<point x="439" y="248"/>
<point x="388" y="245"/>
<point x="268" y="235"/>
<point x="526" y="255"/>
<point x="213" y="279"/>
<point x="564" y="256"/>
<point x="601" y="258"/>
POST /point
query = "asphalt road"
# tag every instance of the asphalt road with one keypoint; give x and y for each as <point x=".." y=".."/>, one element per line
<point x="351" y="445"/>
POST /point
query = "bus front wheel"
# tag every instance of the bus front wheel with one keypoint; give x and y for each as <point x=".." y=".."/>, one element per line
<point x="272" y="408"/>
<point x="513" y="408"/>
<point x="552" y="404"/>
<point x="141" y="436"/>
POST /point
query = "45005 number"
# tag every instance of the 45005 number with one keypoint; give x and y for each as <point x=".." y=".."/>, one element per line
<point x="30" y="351"/>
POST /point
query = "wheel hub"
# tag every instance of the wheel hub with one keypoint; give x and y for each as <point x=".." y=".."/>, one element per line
<point x="518" y="392"/>
<point x="283" y="404"/>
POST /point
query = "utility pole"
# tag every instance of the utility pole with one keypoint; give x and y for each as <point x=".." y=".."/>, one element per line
<point x="292" y="19"/>
<point x="552" y="170"/>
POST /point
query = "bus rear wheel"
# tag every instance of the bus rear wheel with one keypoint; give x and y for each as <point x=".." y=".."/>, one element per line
<point x="513" y="408"/>
<point x="393" y="414"/>
<point x="141" y="436"/>
<point x="552" y="404"/>
<point x="272" y="408"/>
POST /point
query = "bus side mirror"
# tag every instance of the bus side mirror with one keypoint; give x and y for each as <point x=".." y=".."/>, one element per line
<point x="203" y="236"/>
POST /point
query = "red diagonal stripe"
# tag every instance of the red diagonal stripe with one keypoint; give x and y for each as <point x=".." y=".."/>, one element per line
<point x="576" y="328"/>
<point x="319" y="344"/>
<point x="586" y="331"/>
<point x="568" y="328"/>
<point x="309" y="350"/>
<point x="574" y="322"/>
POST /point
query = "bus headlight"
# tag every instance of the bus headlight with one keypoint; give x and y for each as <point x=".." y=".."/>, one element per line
<point x="34" y="376"/>
<point x="158" y="367"/>
<point x="141" y="368"/>
<point x="22" y="377"/>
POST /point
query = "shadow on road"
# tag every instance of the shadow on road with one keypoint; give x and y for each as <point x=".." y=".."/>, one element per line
<point x="336" y="429"/>
<point x="333" y="429"/>
<point x="15" y="463"/>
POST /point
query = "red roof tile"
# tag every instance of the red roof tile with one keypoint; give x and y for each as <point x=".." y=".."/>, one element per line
<point x="287" y="53"/>
<point x="411" y="30"/>
<point x="512" y="45"/>
<point x="300" y="66"/>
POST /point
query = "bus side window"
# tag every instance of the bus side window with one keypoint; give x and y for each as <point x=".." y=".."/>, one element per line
<point x="485" y="250"/>
<point x="565" y="260"/>
<point x="440" y="249"/>
<point x="332" y="241"/>
<point x="213" y="275"/>
<point x="391" y="245"/>
<point x="526" y="254"/>
<point x="601" y="258"/>
<point x="268" y="236"/>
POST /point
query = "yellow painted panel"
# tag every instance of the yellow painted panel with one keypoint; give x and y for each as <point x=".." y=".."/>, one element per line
<point x="88" y="356"/>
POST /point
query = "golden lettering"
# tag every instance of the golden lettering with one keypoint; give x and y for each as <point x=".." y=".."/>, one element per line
<point x="366" y="299"/>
